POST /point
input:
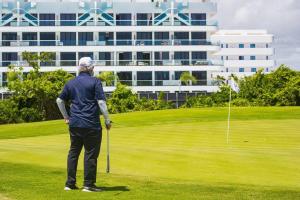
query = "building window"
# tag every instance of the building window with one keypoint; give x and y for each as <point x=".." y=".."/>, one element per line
<point x="105" y="59"/>
<point x="241" y="58"/>
<point x="201" y="77"/>
<point x="8" y="37"/>
<point x="84" y="38"/>
<point x="9" y="58"/>
<point x="125" y="78"/>
<point x="199" y="38"/>
<point x="123" y="19"/>
<point x="68" y="59"/>
<point x="222" y="46"/>
<point x="252" y="46"/>
<point x="68" y="19"/>
<point x="227" y="46"/>
<point x="252" y="57"/>
<point x="52" y="60"/>
<point x="4" y="79"/>
<point x="182" y="58"/>
<point x="85" y="54"/>
<point x="241" y="69"/>
<point x="125" y="58"/>
<point x="198" y="19"/>
<point x="31" y="37"/>
<point x="178" y="75"/>
<point x="143" y="58"/>
<point x="181" y="38"/>
<point x="199" y="58"/>
<point x="144" y="19"/>
<point x="47" y="39"/>
<point x="161" y="58"/>
<point x="144" y="78"/>
<point x="106" y="38"/>
<point x="144" y="38"/>
<point x="161" y="38"/>
<point x="160" y="77"/>
<point x="47" y="19"/>
<point x="241" y="46"/>
<point x="124" y="38"/>
<point x="68" y="38"/>
<point x="253" y="69"/>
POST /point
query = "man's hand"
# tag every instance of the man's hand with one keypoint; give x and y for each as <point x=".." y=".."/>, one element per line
<point x="67" y="121"/>
<point x="108" y="125"/>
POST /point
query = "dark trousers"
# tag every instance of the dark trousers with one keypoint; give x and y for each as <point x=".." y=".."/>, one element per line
<point x="90" y="139"/>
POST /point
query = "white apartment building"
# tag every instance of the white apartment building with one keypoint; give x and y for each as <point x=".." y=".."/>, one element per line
<point x="148" y="44"/>
<point x="243" y="52"/>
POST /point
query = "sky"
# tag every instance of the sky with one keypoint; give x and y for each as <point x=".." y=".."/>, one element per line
<point x="279" y="17"/>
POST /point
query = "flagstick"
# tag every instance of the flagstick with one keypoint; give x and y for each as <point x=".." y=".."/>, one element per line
<point x="228" y="124"/>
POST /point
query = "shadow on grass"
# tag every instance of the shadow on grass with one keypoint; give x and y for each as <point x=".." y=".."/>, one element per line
<point x="116" y="188"/>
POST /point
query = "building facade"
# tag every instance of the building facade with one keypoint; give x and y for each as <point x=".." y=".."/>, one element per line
<point x="148" y="44"/>
<point x="243" y="52"/>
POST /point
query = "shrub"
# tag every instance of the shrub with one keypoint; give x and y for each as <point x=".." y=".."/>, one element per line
<point x="9" y="112"/>
<point x="31" y="115"/>
<point x="240" y="102"/>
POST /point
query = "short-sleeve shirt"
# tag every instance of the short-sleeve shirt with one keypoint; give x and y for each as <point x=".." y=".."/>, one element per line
<point x="83" y="92"/>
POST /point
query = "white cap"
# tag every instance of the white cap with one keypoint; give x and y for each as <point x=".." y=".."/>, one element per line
<point x="85" y="62"/>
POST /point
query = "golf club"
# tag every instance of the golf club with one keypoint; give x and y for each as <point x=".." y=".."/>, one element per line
<point x="107" y="156"/>
<point x="107" y="152"/>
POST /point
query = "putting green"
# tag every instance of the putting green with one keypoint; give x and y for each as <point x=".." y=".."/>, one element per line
<point x="172" y="154"/>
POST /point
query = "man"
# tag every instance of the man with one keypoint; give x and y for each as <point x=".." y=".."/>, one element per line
<point x="87" y="99"/>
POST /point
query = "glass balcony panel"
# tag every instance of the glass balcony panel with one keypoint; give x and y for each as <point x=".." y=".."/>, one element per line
<point x="67" y="19"/>
<point x="47" y="19"/>
<point x="123" y="19"/>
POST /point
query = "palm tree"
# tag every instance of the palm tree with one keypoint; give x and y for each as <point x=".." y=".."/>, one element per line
<point x="219" y="80"/>
<point x="186" y="78"/>
<point x="108" y="78"/>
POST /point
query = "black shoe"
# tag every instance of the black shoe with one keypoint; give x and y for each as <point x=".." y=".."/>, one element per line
<point x="92" y="188"/>
<point x="70" y="187"/>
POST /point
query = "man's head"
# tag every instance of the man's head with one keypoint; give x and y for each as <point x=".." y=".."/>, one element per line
<point x="86" y="65"/>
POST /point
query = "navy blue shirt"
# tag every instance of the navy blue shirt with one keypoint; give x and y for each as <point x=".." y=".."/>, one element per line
<point x="84" y="91"/>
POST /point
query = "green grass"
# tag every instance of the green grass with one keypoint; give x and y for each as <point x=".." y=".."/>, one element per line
<point x="172" y="154"/>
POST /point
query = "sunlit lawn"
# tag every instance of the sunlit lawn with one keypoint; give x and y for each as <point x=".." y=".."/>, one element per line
<point x="173" y="154"/>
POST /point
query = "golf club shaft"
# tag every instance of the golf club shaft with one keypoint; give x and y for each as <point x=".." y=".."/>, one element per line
<point x="107" y="156"/>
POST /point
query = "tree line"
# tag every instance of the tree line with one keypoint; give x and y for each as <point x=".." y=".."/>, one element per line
<point x="34" y="93"/>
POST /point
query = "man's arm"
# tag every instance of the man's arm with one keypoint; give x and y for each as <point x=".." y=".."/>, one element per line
<point x="100" y="96"/>
<point x="104" y="111"/>
<point x="62" y="108"/>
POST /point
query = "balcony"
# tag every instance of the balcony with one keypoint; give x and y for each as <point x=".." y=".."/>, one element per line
<point x="138" y="63"/>
<point x="140" y="42"/>
<point x="15" y="23"/>
<point x="249" y="63"/>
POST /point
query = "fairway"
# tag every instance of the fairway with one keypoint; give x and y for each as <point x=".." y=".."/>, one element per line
<point x="172" y="154"/>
